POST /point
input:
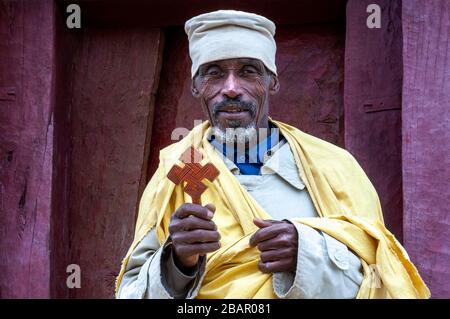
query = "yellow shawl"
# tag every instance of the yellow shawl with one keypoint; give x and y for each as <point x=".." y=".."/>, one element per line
<point x="342" y="194"/>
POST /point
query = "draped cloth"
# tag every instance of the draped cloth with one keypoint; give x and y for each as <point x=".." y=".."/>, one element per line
<point x="345" y="200"/>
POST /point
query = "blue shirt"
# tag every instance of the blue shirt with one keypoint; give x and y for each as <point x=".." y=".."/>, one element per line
<point x="250" y="160"/>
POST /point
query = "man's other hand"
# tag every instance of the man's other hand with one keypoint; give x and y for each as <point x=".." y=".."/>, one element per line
<point x="278" y="243"/>
<point x="193" y="233"/>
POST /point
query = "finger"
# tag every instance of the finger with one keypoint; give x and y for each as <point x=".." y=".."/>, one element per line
<point x="196" y="236"/>
<point x="278" y="242"/>
<point x="283" y="265"/>
<point x="277" y="254"/>
<point x="194" y="249"/>
<point x="267" y="233"/>
<point x="191" y="223"/>
<point x="211" y="207"/>
<point x="261" y="223"/>
<point x="204" y="248"/>
<point x="188" y="209"/>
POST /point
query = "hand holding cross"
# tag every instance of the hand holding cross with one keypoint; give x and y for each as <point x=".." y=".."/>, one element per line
<point x="191" y="228"/>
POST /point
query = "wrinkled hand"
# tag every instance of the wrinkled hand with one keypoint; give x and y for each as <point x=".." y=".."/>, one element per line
<point x="193" y="233"/>
<point x="278" y="243"/>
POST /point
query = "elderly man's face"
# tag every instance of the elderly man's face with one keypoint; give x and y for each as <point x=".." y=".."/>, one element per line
<point x="234" y="92"/>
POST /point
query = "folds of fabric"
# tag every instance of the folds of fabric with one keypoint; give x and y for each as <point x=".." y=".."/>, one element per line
<point x="343" y="196"/>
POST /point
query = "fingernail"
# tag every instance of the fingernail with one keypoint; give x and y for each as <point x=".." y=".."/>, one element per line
<point x="210" y="214"/>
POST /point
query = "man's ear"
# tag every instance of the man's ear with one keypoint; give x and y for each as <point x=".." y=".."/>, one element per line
<point x="195" y="92"/>
<point x="274" y="84"/>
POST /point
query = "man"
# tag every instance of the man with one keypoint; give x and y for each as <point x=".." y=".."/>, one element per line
<point x="289" y="216"/>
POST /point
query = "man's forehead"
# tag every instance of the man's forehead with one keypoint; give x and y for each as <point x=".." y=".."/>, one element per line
<point x="234" y="61"/>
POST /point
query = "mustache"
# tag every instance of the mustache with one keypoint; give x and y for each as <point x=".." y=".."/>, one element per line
<point x="227" y="102"/>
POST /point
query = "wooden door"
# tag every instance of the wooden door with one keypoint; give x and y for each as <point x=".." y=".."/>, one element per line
<point x="113" y="92"/>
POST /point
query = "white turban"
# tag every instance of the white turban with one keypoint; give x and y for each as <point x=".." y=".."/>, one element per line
<point x="227" y="34"/>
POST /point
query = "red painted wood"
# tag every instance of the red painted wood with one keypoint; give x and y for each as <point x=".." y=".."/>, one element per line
<point x="310" y="62"/>
<point x="77" y="126"/>
<point x="111" y="114"/>
<point x="426" y="139"/>
<point x="174" y="102"/>
<point x="372" y="99"/>
<point x="66" y="44"/>
<point x="26" y="147"/>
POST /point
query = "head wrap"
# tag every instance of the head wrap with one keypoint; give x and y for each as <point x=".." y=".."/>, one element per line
<point x="228" y="34"/>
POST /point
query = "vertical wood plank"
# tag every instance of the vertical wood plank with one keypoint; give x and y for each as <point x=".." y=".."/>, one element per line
<point x="26" y="147"/>
<point x="372" y="102"/>
<point x="67" y="42"/>
<point x="426" y="139"/>
<point x="116" y="72"/>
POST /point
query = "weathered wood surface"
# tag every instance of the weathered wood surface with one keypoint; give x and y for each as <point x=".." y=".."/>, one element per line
<point x="78" y="124"/>
<point x="26" y="147"/>
<point x="372" y="99"/>
<point x="426" y="139"/>
<point x="66" y="44"/>
<point x="115" y="78"/>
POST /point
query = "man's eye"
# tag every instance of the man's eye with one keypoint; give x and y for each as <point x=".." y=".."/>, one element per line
<point x="213" y="72"/>
<point x="250" y="71"/>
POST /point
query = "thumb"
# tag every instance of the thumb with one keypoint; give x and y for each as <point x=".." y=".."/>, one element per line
<point x="211" y="207"/>
<point x="261" y="223"/>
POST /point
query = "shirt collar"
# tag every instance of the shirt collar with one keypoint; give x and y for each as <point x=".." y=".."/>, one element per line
<point x="281" y="161"/>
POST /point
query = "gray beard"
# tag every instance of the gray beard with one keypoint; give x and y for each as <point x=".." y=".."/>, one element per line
<point x="235" y="135"/>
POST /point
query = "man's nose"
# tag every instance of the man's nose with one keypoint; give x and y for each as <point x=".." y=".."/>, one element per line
<point x="231" y="87"/>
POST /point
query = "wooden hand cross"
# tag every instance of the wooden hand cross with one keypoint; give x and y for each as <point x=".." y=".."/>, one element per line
<point x="193" y="173"/>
